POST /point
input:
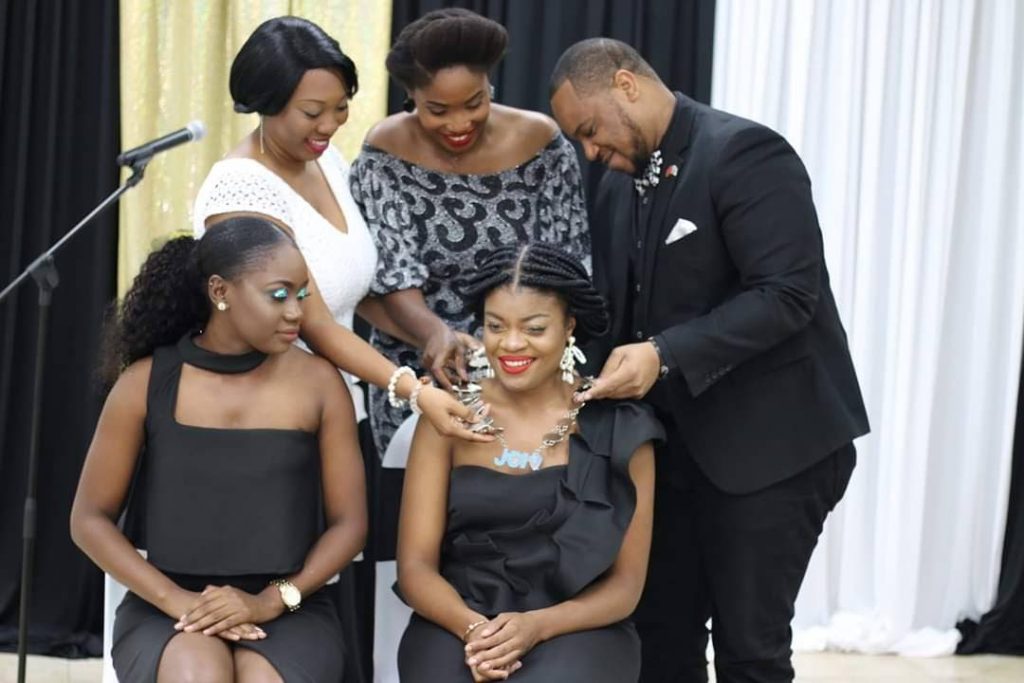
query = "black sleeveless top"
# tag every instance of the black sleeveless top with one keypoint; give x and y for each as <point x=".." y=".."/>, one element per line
<point x="223" y="502"/>
<point x="520" y="542"/>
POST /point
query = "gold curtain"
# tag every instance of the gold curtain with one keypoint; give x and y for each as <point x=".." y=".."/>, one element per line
<point x="175" y="60"/>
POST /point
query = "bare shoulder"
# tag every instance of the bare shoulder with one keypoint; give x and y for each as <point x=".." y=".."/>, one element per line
<point x="136" y="375"/>
<point x="533" y="129"/>
<point x="393" y="134"/>
<point x="310" y="368"/>
<point x="132" y="386"/>
<point x="427" y="439"/>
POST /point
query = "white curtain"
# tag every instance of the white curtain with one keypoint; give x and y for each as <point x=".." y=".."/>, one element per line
<point x="910" y="118"/>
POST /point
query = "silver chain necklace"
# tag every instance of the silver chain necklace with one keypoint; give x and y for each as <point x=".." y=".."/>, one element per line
<point x="520" y="460"/>
<point x="510" y="457"/>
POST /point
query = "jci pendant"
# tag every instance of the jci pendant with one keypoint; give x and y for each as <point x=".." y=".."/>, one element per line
<point x="519" y="459"/>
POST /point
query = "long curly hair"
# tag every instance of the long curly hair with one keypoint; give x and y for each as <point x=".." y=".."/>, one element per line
<point x="546" y="268"/>
<point x="168" y="298"/>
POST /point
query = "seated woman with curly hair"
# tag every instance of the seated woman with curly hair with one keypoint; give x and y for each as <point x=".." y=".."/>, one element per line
<point x="241" y="451"/>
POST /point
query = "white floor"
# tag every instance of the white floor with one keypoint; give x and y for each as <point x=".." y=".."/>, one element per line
<point x="810" y="668"/>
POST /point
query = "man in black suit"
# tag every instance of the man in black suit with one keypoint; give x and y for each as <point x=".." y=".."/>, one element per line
<point x="707" y="245"/>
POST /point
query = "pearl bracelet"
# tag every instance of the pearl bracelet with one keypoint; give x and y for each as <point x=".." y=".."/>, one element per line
<point x="393" y="398"/>
<point x="414" y="397"/>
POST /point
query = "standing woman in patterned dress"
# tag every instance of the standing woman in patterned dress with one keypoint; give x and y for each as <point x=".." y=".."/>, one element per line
<point x="296" y="77"/>
<point x="450" y="180"/>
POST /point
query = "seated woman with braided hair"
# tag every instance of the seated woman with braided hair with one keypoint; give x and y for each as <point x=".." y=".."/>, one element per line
<point x="525" y="557"/>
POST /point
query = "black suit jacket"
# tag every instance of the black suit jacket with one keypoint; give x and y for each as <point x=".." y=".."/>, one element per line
<point x="762" y="385"/>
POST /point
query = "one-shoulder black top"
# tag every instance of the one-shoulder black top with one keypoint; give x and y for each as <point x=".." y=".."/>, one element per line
<point x="523" y="542"/>
<point x="223" y="502"/>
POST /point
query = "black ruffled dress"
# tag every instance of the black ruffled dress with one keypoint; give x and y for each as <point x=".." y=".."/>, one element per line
<point x="522" y="542"/>
<point x="232" y="507"/>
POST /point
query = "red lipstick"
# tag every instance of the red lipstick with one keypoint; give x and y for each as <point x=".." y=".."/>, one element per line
<point x="515" y="365"/>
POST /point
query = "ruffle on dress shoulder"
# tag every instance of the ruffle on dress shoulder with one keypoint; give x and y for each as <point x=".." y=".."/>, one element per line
<point x="559" y="551"/>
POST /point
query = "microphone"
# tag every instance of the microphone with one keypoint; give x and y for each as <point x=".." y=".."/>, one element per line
<point x="193" y="131"/>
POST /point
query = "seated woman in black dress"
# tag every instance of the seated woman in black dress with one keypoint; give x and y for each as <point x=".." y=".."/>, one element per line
<point x="526" y="556"/>
<point x="249" y="474"/>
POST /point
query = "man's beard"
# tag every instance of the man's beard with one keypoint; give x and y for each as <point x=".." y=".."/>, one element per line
<point x="641" y="155"/>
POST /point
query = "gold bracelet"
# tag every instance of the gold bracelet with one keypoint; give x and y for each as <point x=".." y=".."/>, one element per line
<point x="471" y="627"/>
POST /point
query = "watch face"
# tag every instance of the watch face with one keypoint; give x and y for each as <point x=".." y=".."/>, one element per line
<point x="290" y="595"/>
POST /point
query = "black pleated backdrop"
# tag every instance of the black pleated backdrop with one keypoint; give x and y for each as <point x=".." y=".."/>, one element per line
<point x="59" y="137"/>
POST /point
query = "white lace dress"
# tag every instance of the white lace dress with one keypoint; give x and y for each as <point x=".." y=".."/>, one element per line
<point x="342" y="264"/>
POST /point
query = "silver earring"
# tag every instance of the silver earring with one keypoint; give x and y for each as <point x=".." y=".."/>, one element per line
<point x="491" y="91"/>
<point x="222" y="305"/>
<point x="261" y="134"/>
<point x="570" y="357"/>
<point x="480" y="364"/>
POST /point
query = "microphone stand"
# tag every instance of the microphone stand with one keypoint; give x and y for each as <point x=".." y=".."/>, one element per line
<point x="44" y="271"/>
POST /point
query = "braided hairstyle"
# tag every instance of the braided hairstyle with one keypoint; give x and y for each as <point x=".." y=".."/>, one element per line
<point x="169" y="298"/>
<point x="545" y="268"/>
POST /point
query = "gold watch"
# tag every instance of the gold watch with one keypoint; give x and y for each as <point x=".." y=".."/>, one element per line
<point x="290" y="595"/>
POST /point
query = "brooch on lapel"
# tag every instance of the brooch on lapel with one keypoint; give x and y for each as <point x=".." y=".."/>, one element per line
<point x="672" y="171"/>
<point x="651" y="175"/>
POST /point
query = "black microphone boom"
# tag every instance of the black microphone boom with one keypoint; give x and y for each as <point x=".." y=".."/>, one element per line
<point x="193" y="131"/>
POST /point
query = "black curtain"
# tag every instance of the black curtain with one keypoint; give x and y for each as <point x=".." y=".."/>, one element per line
<point x="1001" y="631"/>
<point x="675" y="37"/>
<point x="59" y="136"/>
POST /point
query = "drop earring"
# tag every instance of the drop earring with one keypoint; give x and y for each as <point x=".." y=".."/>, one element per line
<point x="570" y="357"/>
<point x="490" y="92"/>
<point x="262" y="150"/>
<point x="481" y="366"/>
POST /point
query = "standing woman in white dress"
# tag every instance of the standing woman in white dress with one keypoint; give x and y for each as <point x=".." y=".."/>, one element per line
<point x="295" y="76"/>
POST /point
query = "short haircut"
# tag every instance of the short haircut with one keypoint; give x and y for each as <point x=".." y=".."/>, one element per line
<point x="591" y="64"/>
<point x="274" y="58"/>
<point x="444" y="38"/>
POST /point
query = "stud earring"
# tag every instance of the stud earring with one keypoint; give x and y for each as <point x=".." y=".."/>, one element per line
<point x="222" y="305"/>
<point x="570" y="357"/>
<point x="262" y="150"/>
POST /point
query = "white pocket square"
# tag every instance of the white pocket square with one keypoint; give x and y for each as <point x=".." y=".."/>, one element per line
<point x="681" y="229"/>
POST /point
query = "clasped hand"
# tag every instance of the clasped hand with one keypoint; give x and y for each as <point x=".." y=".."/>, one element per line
<point x="496" y="648"/>
<point x="230" y="613"/>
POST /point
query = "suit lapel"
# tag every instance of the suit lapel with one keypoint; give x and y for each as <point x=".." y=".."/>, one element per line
<point x="674" y="149"/>
<point x="623" y="227"/>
